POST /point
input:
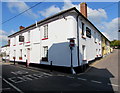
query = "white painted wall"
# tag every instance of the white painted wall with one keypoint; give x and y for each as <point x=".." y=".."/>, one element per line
<point x="5" y="50"/>
<point x="58" y="45"/>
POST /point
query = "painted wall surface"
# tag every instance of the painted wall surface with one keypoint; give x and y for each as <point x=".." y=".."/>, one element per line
<point x="58" y="46"/>
<point x="106" y="49"/>
<point x="5" y="51"/>
<point x="92" y="45"/>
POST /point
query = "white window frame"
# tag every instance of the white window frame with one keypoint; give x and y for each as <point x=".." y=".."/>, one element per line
<point x="83" y="52"/>
<point x="46" y="31"/>
<point x="14" y="55"/>
<point x="83" y="29"/>
<point x="45" y="49"/>
<point x="15" y="40"/>
<point x="21" y="52"/>
<point x="95" y="37"/>
<point x="28" y="36"/>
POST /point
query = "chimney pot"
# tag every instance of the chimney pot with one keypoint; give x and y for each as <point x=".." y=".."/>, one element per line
<point x="83" y="9"/>
<point x="21" y="27"/>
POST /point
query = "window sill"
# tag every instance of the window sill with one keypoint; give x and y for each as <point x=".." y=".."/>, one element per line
<point x="13" y="57"/>
<point x="20" y="43"/>
<point x="44" y="38"/>
<point x="44" y="59"/>
<point x="20" y="58"/>
<point x="96" y="55"/>
<point x="84" y="59"/>
<point x="28" y="42"/>
<point x="84" y="37"/>
<point x="95" y="42"/>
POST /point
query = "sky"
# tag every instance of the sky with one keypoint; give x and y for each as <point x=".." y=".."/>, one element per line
<point x="104" y="15"/>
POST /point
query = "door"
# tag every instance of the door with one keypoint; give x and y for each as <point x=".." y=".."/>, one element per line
<point x="28" y="56"/>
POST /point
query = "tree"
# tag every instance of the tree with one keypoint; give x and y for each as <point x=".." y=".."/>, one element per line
<point x="115" y="43"/>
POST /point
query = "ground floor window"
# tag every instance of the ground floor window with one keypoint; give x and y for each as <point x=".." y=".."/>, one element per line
<point x="14" y="55"/>
<point x="45" y="56"/>
<point x="20" y="57"/>
<point x="84" y="52"/>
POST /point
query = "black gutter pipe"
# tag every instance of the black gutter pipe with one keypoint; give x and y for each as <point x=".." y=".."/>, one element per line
<point x="78" y="40"/>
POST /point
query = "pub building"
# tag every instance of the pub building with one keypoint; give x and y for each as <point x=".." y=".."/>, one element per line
<point x="66" y="40"/>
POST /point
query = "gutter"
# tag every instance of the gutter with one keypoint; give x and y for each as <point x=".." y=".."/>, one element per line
<point x="78" y="40"/>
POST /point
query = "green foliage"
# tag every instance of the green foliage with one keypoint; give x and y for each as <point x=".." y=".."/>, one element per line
<point x="115" y="43"/>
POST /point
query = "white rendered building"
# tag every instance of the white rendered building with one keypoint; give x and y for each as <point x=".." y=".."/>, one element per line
<point x="48" y="40"/>
<point x="5" y="51"/>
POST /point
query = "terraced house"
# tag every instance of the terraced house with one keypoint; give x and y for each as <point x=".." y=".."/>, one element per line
<point x="67" y="40"/>
<point x="106" y="49"/>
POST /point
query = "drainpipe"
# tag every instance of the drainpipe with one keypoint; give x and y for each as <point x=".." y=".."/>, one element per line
<point x="78" y="40"/>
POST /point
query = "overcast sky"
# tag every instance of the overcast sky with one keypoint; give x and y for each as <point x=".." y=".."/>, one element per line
<point x="104" y="15"/>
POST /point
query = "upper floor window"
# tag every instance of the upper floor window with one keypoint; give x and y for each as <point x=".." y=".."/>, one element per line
<point x="20" y="52"/>
<point x="95" y="39"/>
<point x="28" y="35"/>
<point x="46" y="31"/>
<point x="88" y="32"/>
<point x="14" y="40"/>
<point x="83" y="52"/>
<point x="83" y="28"/>
<point x="21" y="38"/>
<point x="9" y="42"/>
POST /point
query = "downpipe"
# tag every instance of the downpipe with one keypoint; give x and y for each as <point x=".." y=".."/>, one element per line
<point x="78" y="40"/>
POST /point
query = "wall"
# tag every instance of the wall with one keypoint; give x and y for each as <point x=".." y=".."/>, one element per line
<point x="93" y="49"/>
<point x="58" y="46"/>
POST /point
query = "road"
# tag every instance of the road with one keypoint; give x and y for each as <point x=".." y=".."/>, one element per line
<point x="102" y="76"/>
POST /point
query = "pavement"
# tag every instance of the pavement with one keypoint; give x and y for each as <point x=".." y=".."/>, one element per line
<point x="102" y="76"/>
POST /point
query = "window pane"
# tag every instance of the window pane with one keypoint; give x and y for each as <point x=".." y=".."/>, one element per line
<point x="46" y="31"/>
<point x="45" y="51"/>
<point x="82" y="28"/>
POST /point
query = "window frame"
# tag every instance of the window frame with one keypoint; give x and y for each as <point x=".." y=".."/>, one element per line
<point x="45" y="55"/>
<point x="88" y="30"/>
<point x="28" y="37"/>
<point x="95" y="37"/>
<point x="83" y="25"/>
<point x="83" y="52"/>
<point x="46" y="31"/>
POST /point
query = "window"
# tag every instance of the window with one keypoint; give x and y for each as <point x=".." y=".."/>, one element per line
<point x="100" y="52"/>
<point x="14" y="40"/>
<point x="20" y="58"/>
<point x="99" y="39"/>
<point x="88" y="32"/>
<point x="45" y="58"/>
<point x="95" y="37"/>
<point x="21" y="38"/>
<point x="45" y="51"/>
<point x="82" y="28"/>
<point x="28" y="35"/>
<point x="46" y="31"/>
<point x="14" y="55"/>
<point x="20" y="52"/>
<point x="97" y="52"/>
<point x="84" y="52"/>
<point x="9" y="42"/>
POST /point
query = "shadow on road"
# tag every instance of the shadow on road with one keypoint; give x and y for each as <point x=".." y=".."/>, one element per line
<point x="102" y="76"/>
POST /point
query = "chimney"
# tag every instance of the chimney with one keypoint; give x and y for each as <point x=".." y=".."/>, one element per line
<point x="9" y="42"/>
<point x="83" y="9"/>
<point x="21" y="27"/>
